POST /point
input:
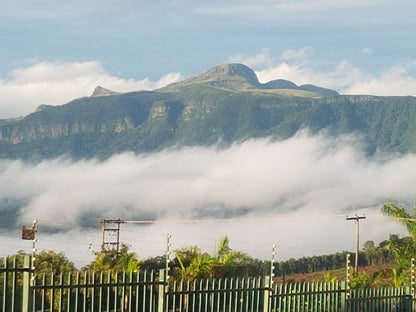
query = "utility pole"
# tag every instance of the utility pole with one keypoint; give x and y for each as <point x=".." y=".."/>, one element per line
<point x="111" y="234"/>
<point x="357" y="237"/>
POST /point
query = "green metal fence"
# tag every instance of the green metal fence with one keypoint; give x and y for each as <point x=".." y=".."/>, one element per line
<point x="336" y="296"/>
<point x="394" y="299"/>
<point x="11" y="285"/>
<point x="314" y="297"/>
<point x="209" y="295"/>
<point x="118" y="291"/>
<point x="149" y="291"/>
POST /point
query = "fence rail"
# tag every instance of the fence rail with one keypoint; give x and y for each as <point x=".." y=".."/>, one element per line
<point x="149" y="291"/>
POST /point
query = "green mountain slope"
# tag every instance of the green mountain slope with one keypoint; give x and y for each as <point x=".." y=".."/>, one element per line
<point x="226" y="104"/>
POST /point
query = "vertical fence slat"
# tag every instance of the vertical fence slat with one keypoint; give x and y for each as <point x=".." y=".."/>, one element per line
<point x="100" y="291"/>
<point x="123" y="293"/>
<point x="43" y="292"/>
<point x="14" y="283"/>
<point x="130" y="292"/>
<point x="52" y="293"/>
<point x="4" y="276"/>
<point x="76" y="291"/>
<point x="69" y="283"/>
<point x="136" y="299"/>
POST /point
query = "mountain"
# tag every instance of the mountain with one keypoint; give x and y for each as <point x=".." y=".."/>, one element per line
<point x="225" y="104"/>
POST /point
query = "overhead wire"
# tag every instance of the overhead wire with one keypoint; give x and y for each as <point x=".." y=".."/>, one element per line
<point x="210" y="242"/>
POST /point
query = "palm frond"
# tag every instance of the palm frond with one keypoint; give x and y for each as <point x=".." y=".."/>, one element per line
<point x="402" y="215"/>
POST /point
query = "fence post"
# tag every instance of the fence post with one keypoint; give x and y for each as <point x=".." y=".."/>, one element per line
<point x="412" y="277"/>
<point x="26" y="284"/>
<point x="266" y="295"/>
<point x="412" y="284"/>
<point x="161" y="292"/>
<point x="347" y="283"/>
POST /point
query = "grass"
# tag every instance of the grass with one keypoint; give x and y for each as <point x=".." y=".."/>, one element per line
<point x="380" y="275"/>
<point x="285" y="93"/>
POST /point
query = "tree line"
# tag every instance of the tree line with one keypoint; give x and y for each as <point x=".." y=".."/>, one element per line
<point x="191" y="262"/>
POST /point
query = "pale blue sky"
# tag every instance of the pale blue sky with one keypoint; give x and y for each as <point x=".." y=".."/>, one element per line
<point x="352" y="46"/>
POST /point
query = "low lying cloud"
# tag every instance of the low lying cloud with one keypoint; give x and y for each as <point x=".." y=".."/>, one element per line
<point x="298" y="65"/>
<point x="56" y="83"/>
<point x="341" y="78"/>
<point x="394" y="81"/>
<point x="295" y="193"/>
<point x="292" y="54"/>
<point x="347" y="78"/>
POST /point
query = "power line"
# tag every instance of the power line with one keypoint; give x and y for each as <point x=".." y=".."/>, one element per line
<point x="220" y="220"/>
<point x="210" y="242"/>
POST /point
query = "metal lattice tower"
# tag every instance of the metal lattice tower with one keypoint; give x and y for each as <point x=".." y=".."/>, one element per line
<point x="111" y="234"/>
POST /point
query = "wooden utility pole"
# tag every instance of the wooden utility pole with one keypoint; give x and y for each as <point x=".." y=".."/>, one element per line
<point x="357" y="237"/>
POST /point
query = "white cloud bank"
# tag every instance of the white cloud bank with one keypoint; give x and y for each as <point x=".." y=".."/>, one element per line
<point x="299" y="67"/>
<point x="295" y="193"/>
<point x="261" y="59"/>
<point x="346" y="79"/>
<point x="56" y="83"/>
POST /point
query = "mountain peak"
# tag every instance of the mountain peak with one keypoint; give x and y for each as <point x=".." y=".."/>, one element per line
<point x="100" y="91"/>
<point x="237" y="77"/>
<point x="234" y="69"/>
<point x="227" y="76"/>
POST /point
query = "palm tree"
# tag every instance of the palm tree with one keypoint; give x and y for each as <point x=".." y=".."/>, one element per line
<point x="401" y="214"/>
<point x="223" y="249"/>
<point x="201" y="267"/>
<point x="224" y="254"/>
<point x="193" y="263"/>
<point x="187" y="254"/>
<point x="229" y="260"/>
<point x="402" y="249"/>
<point x="129" y="263"/>
<point x="111" y="260"/>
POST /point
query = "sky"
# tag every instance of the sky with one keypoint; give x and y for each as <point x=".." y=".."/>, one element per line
<point x="55" y="51"/>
